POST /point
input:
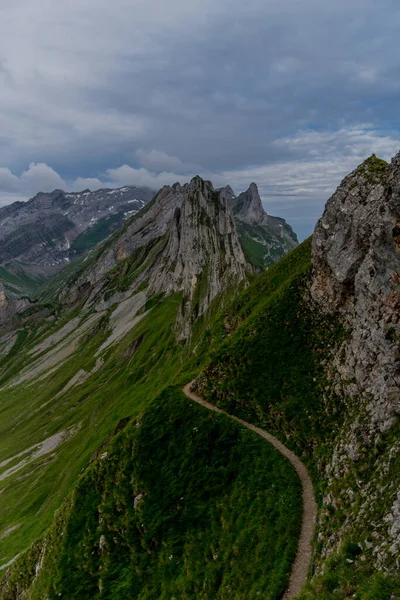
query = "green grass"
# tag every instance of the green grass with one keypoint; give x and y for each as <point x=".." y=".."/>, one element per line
<point x="266" y="364"/>
<point x="18" y="283"/>
<point x="218" y="518"/>
<point x="97" y="233"/>
<point x="32" y="413"/>
<point x="261" y="255"/>
<point x="268" y="370"/>
<point x="374" y="170"/>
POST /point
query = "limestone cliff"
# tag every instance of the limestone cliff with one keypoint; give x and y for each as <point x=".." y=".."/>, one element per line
<point x="264" y="238"/>
<point x="190" y="245"/>
<point x="356" y="273"/>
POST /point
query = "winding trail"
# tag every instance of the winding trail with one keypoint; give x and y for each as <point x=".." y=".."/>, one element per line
<point x="302" y="561"/>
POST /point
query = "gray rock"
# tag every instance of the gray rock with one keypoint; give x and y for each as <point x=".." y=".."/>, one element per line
<point x="272" y="236"/>
<point x="198" y="253"/>
<point x="37" y="235"/>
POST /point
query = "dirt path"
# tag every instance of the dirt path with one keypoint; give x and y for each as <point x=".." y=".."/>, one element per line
<point x="302" y="561"/>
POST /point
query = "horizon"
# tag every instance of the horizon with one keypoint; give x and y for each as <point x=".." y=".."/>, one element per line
<point x="137" y="95"/>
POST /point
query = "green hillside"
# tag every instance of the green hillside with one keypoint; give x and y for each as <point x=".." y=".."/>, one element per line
<point x="64" y="392"/>
<point x="181" y="504"/>
<point x="18" y="283"/>
<point x="266" y="366"/>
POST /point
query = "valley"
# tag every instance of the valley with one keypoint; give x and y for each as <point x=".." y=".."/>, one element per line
<point x="113" y="484"/>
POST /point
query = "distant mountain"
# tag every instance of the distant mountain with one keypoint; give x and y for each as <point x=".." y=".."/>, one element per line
<point x="185" y="240"/>
<point x="264" y="239"/>
<point x="38" y="237"/>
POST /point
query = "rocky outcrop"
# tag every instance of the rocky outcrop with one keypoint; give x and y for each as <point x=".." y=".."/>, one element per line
<point x="4" y="306"/>
<point x="9" y="307"/>
<point x="203" y="256"/>
<point x="356" y="274"/>
<point x="356" y="262"/>
<point x="264" y="238"/>
<point x="248" y="207"/>
<point x="191" y="246"/>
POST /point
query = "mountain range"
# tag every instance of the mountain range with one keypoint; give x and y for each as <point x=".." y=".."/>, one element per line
<point x="114" y="484"/>
<point x="39" y="237"/>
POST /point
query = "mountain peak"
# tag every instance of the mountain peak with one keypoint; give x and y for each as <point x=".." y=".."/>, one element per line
<point x="248" y="207"/>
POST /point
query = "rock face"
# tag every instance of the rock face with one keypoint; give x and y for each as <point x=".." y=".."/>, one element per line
<point x="189" y="232"/>
<point x="264" y="239"/>
<point x="356" y="261"/>
<point x="41" y="232"/>
<point x="356" y="273"/>
<point x="247" y="207"/>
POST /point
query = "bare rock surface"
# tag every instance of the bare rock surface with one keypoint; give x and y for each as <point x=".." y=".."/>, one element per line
<point x="356" y="274"/>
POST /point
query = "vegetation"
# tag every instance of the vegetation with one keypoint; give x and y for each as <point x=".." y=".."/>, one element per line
<point x="183" y="504"/>
<point x="97" y="233"/>
<point x="18" y="283"/>
<point x="33" y="410"/>
<point x="268" y="369"/>
<point x="266" y="366"/>
<point x="260" y="246"/>
<point x="373" y="169"/>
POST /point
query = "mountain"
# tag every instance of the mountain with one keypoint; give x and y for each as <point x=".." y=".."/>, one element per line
<point x="311" y="353"/>
<point x="184" y="241"/>
<point x="98" y="360"/>
<point x="38" y="237"/>
<point x="113" y="484"/>
<point x="264" y="239"/>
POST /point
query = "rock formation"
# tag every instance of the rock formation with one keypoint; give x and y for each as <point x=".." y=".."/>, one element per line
<point x="356" y="273"/>
<point x="39" y="233"/>
<point x="190" y="233"/>
<point x="265" y="239"/>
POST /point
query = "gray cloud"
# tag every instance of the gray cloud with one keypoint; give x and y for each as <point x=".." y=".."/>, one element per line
<point x="291" y="94"/>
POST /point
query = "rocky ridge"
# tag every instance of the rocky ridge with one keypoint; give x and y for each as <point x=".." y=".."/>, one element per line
<point x="191" y="246"/>
<point x="356" y="274"/>
<point x="39" y="235"/>
<point x="264" y="238"/>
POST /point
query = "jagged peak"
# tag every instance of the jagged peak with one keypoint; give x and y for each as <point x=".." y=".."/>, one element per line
<point x="201" y="184"/>
<point x="248" y="207"/>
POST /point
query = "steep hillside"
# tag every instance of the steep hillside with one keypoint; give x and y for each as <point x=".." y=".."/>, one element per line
<point x="40" y="237"/>
<point x="311" y="352"/>
<point x="93" y="498"/>
<point x="112" y="344"/>
<point x="181" y="504"/>
<point x="184" y="240"/>
<point x="264" y="239"/>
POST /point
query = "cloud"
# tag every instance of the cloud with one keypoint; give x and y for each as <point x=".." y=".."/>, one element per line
<point x="159" y="161"/>
<point x="134" y="93"/>
<point x="126" y="175"/>
<point x="8" y="181"/>
<point x="41" y="177"/>
<point x="82" y="183"/>
<point x="295" y="188"/>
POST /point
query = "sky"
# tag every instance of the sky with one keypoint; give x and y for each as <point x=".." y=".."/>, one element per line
<point x="291" y="94"/>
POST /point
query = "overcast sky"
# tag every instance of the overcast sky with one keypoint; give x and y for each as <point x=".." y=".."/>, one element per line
<point x="291" y="94"/>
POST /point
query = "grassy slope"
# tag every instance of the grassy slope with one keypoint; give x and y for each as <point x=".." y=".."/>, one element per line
<point x="32" y="412"/>
<point x="269" y="369"/>
<point x="134" y="373"/>
<point x="18" y="283"/>
<point x="253" y="240"/>
<point x="266" y="365"/>
<point x="218" y="517"/>
<point x="96" y="234"/>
